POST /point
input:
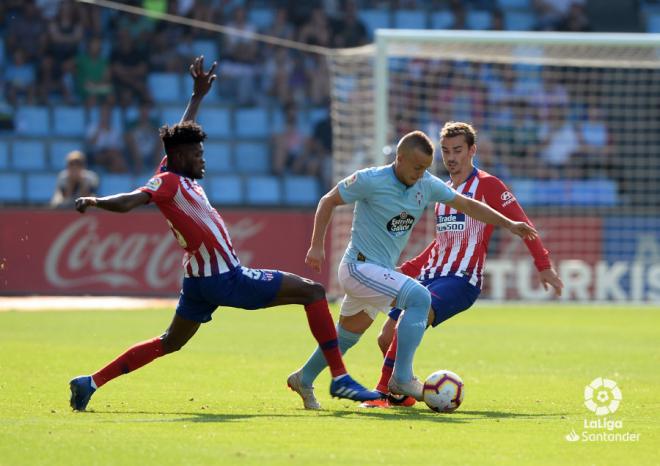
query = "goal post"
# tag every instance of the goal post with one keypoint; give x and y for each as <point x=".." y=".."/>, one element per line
<point x="570" y="121"/>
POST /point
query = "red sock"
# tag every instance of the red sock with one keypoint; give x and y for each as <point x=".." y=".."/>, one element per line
<point x="323" y="329"/>
<point x="133" y="358"/>
<point x="388" y="367"/>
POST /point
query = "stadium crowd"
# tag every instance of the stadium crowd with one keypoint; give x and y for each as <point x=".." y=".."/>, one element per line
<point x="64" y="53"/>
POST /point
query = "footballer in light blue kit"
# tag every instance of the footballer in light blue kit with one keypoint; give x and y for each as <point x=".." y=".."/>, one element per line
<point x="389" y="201"/>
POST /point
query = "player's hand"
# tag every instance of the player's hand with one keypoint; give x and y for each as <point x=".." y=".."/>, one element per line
<point x="202" y="81"/>
<point x="523" y="230"/>
<point x="550" y="278"/>
<point x="315" y="257"/>
<point x="83" y="202"/>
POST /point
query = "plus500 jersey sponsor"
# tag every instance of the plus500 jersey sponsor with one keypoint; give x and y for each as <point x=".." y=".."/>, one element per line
<point x="451" y="222"/>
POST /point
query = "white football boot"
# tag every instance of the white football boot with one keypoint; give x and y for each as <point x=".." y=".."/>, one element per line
<point x="413" y="388"/>
<point x="306" y="393"/>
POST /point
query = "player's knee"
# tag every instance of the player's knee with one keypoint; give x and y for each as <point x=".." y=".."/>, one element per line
<point x="171" y="345"/>
<point x="384" y="342"/>
<point x="417" y="299"/>
<point x="314" y="292"/>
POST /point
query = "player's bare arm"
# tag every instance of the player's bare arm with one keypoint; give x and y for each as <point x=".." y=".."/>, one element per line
<point x="485" y="213"/>
<point x="327" y="204"/>
<point x="122" y="202"/>
<point x="202" y="83"/>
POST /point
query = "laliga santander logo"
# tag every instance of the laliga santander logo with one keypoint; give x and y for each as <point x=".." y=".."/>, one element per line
<point x="602" y="396"/>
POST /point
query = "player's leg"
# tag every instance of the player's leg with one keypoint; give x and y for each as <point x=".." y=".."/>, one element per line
<point x="415" y="299"/>
<point x="190" y="313"/>
<point x="449" y="296"/>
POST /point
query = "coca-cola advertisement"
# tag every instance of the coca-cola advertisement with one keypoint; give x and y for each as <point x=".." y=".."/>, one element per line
<point x="55" y="252"/>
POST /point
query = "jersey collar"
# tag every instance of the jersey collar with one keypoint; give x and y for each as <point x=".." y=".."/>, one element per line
<point x="470" y="176"/>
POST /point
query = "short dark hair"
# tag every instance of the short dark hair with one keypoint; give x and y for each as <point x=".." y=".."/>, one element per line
<point x="456" y="128"/>
<point x="416" y="140"/>
<point x="186" y="132"/>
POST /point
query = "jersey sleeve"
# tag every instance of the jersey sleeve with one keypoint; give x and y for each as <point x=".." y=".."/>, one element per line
<point x="356" y="186"/>
<point x="500" y="198"/>
<point x="162" y="187"/>
<point x="439" y="191"/>
<point x="413" y="267"/>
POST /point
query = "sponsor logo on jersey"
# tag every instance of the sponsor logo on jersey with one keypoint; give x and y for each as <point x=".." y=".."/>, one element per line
<point x="451" y="222"/>
<point x="507" y="198"/>
<point x="400" y="224"/>
<point x="350" y="180"/>
<point x="153" y="184"/>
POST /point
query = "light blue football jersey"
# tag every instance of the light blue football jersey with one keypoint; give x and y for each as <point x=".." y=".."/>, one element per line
<point x="386" y="210"/>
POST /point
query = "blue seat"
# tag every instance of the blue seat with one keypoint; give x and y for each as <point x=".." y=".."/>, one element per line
<point x="263" y="190"/>
<point x="519" y="21"/>
<point x="40" y="187"/>
<point x="261" y="17"/>
<point x="11" y="187"/>
<point x="301" y="190"/>
<point x="479" y="19"/>
<point x="116" y="117"/>
<point x="32" y="121"/>
<point x="410" y="19"/>
<point x="208" y="48"/>
<point x="514" y="4"/>
<point x="653" y="23"/>
<point x="252" y="157"/>
<point x="216" y="122"/>
<point x="442" y="20"/>
<point x="375" y="19"/>
<point x="594" y="193"/>
<point x="116" y="183"/>
<point x="218" y="157"/>
<point x="165" y="87"/>
<point x="4" y="155"/>
<point x="251" y="122"/>
<point x="69" y="121"/>
<point x="59" y="149"/>
<point x="28" y="155"/>
<point x="226" y="189"/>
<point x="172" y="115"/>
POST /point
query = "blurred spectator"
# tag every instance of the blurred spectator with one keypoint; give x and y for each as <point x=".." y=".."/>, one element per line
<point x="20" y="78"/>
<point x="65" y="34"/>
<point x="276" y="75"/>
<point x="280" y="27"/>
<point x="497" y="22"/>
<point x="74" y="181"/>
<point x="318" y="154"/>
<point x="594" y="153"/>
<point x="316" y="31"/>
<point x="559" y="143"/>
<point x="93" y="78"/>
<point x="551" y="13"/>
<point x="318" y="77"/>
<point x="238" y="67"/>
<point x="289" y="145"/>
<point x="26" y="31"/>
<point x="350" y="31"/>
<point x="575" y="20"/>
<point x="128" y="63"/>
<point x="162" y="56"/>
<point x="143" y="142"/>
<point x="105" y="143"/>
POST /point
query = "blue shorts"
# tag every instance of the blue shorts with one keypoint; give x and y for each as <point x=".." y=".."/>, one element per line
<point x="242" y="287"/>
<point x="449" y="296"/>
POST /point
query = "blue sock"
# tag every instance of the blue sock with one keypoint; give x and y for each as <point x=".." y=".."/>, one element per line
<point x="316" y="362"/>
<point x="416" y="301"/>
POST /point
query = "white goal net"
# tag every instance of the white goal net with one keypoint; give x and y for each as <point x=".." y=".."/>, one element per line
<point x="571" y="122"/>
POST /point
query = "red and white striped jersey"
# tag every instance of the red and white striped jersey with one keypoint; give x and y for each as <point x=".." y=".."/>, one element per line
<point x="197" y="226"/>
<point x="461" y="242"/>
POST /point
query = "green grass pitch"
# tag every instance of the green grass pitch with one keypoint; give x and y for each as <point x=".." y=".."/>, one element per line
<point x="223" y="398"/>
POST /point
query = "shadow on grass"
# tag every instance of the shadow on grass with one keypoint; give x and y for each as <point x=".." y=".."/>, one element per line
<point x="394" y="414"/>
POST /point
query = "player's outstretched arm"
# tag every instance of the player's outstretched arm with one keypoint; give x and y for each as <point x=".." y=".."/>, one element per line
<point x="116" y="203"/>
<point x="485" y="213"/>
<point x="202" y="83"/>
<point x="327" y="204"/>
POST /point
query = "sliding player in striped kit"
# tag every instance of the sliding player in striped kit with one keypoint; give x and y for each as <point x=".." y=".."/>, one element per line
<point x="389" y="200"/>
<point x="213" y="274"/>
<point x="451" y="267"/>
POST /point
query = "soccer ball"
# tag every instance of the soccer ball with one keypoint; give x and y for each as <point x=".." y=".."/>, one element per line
<point x="443" y="391"/>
